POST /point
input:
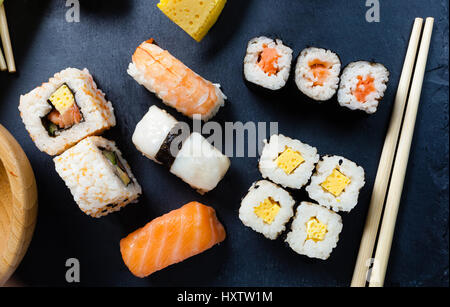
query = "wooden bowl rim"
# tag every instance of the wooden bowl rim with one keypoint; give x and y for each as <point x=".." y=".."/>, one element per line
<point x="24" y="202"/>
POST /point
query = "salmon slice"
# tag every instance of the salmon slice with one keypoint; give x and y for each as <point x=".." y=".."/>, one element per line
<point x="364" y="88"/>
<point x="173" y="82"/>
<point x="66" y="120"/>
<point x="268" y="60"/>
<point x="320" y="71"/>
<point x="171" y="238"/>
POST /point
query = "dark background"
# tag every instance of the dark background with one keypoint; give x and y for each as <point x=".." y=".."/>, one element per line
<point x="104" y="40"/>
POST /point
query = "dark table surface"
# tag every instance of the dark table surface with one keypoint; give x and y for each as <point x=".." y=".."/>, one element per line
<point x="103" y="41"/>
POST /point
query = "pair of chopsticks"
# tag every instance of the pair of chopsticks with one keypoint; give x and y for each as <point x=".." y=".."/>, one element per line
<point x="365" y="263"/>
<point x="6" y="41"/>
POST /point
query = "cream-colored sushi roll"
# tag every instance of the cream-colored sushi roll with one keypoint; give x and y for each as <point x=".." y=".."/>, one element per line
<point x="362" y="86"/>
<point x="98" y="177"/>
<point x="65" y="110"/>
<point x="314" y="231"/>
<point x="287" y="162"/>
<point x="267" y="63"/>
<point x="336" y="183"/>
<point x="317" y="73"/>
<point x="266" y="209"/>
<point x="188" y="156"/>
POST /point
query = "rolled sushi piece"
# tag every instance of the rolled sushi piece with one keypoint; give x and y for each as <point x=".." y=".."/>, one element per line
<point x="317" y="73"/>
<point x="266" y="209"/>
<point x="66" y="109"/>
<point x="161" y="138"/>
<point x="336" y="183"/>
<point x="267" y="63"/>
<point x="362" y="86"/>
<point x="98" y="177"/>
<point x="171" y="238"/>
<point x="314" y="231"/>
<point x="174" y="83"/>
<point x="287" y="162"/>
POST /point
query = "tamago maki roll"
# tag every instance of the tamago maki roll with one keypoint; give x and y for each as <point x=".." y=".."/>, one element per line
<point x="314" y="231"/>
<point x="317" y="73"/>
<point x="336" y="183"/>
<point x="287" y="162"/>
<point x="267" y="63"/>
<point x="362" y="86"/>
<point x="266" y="209"/>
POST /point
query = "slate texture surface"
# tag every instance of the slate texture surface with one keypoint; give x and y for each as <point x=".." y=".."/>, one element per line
<point x="103" y="41"/>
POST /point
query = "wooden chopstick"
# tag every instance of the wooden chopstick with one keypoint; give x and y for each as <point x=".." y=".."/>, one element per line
<point x="385" y="165"/>
<point x="401" y="162"/>
<point x="6" y="40"/>
<point x="3" y="66"/>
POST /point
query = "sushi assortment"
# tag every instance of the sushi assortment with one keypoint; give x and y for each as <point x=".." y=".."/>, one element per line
<point x="188" y="156"/>
<point x="334" y="182"/>
<point x="361" y="86"/>
<point x="66" y="115"/>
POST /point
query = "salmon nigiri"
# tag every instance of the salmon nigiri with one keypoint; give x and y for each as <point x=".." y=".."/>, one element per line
<point x="172" y="81"/>
<point x="171" y="238"/>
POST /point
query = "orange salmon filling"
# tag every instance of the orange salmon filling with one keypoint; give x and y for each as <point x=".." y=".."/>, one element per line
<point x="268" y="60"/>
<point x="320" y="70"/>
<point x="364" y="88"/>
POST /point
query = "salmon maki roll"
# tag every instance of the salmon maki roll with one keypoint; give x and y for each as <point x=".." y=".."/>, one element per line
<point x="171" y="238"/>
<point x="174" y="83"/>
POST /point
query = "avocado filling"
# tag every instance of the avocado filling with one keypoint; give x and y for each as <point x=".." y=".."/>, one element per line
<point x="119" y="169"/>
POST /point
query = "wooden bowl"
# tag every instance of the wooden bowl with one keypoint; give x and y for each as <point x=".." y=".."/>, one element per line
<point x="18" y="204"/>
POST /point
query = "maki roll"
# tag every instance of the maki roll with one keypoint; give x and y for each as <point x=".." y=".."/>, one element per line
<point x="317" y="73"/>
<point x="362" y="86"/>
<point x="266" y="209"/>
<point x="161" y="138"/>
<point x="267" y="63"/>
<point x="287" y="162"/>
<point x="314" y="231"/>
<point x="174" y="83"/>
<point x="98" y="177"/>
<point x="65" y="110"/>
<point x="336" y="183"/>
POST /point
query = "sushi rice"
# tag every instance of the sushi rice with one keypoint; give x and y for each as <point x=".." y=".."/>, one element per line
<point x="258" y="193"/>
<point x="336" y="173"/>
<point x="273" y="150"/>
<point x="314" y="231"/>
<point x="275" y="72"/>
<point x="362" y="86"/>
<point x="97" y="112"/>
<point x="317" y="73"/>
<point x="89" y="175"/>
<point x="193" y="159"/>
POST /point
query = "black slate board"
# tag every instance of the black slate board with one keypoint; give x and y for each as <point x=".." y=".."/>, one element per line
<point x="104" y="40"/>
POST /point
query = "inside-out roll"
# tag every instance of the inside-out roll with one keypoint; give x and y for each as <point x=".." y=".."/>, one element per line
<point x="64" y="110"/>
<point x="161" y="138"/>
